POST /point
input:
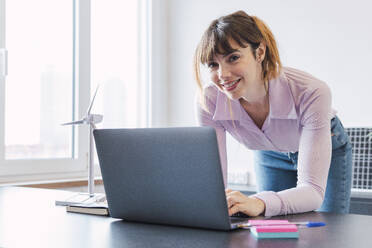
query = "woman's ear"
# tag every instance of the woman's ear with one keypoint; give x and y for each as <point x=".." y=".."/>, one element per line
<point x="260" y="52"/>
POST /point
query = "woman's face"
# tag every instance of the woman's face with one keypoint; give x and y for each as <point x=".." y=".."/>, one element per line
<point x="238" y="74"/>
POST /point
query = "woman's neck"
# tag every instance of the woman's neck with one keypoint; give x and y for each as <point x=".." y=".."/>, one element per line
<point x="257" y="97"/>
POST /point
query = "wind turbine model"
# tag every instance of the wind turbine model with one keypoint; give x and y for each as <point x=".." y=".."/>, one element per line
<point x="90" y="197"/>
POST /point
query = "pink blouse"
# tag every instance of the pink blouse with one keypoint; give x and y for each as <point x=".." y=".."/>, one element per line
<point x="298" y="120"/>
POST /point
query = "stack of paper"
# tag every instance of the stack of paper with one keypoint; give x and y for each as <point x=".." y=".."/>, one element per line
<point x="273" y="229"/>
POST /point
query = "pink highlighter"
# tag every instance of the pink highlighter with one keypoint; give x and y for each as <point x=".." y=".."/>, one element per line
<point x="277" y="228"/>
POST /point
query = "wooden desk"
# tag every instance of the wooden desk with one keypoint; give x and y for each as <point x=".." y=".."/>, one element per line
<point x="29" y="218"/>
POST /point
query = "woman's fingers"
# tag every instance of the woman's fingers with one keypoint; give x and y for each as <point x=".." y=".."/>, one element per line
<point x="238" y="202"/>
<point x="230" y="201"/>
<point x="228" y="190"/>
<point x="234" y="197"/>
<point x="234" y="209"/>
<point x="235" y="194"/>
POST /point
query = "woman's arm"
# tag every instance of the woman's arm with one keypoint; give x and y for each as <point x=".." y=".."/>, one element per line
<point x="237" y="202"/>
<point x="314" y="157"/>
<point x="314" y="160"/>
<point x="313" y="166"/>
<point x="313" y="163"/>
<point x="205" y="118"/>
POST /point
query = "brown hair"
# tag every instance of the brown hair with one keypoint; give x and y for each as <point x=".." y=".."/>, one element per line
<point x="244" y="30"/>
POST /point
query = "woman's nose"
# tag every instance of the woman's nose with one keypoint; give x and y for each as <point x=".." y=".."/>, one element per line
<point x="223" y="73"/>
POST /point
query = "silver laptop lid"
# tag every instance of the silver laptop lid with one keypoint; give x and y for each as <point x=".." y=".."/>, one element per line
<point x="163" y="175"/>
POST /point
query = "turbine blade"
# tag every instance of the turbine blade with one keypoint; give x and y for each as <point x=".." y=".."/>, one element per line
<point x="73" y="123"/>
<point x="91" y="103"/>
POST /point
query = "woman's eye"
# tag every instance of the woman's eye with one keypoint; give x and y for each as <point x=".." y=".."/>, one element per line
<point x="212" y="65"/>
<point x="233" y="58"/>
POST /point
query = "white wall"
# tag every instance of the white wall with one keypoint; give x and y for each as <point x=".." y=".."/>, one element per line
<point x="330" y="39"/>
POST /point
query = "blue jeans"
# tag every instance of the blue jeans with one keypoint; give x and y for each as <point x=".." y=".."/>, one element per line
<point x="276" y="171"/>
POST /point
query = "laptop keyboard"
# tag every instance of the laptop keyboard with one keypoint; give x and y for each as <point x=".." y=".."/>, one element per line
<point x="238" y="218"/>
<point x="240" y="215"/>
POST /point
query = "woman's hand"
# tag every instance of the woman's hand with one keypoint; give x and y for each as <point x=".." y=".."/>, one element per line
<point x="238" y="202"/>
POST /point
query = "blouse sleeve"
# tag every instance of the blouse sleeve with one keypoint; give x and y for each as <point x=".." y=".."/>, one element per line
<point x="314" y="159"/>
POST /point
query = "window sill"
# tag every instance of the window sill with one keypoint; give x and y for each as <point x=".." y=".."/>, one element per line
<point x="55" y="184"/>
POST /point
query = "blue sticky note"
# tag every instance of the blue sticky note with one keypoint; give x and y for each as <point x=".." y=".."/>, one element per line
<point x="274" y="235"/>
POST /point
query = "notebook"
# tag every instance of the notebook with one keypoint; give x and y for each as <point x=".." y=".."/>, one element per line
<point x="167" y="176"/>
<point x="273" y="229"/>
<point x="93" y="208"/>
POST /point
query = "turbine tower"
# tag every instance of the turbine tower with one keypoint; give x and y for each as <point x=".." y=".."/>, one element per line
<point x="90" y="197"/>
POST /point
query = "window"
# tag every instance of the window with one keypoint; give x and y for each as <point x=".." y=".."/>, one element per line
<point x="38" y="91"/>
<point x="115" y="62"/>
<point x="56" y="56"/>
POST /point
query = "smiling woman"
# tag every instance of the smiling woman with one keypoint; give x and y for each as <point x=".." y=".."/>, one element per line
<point x="283" y="113"/>
<point x="236" y="72"/>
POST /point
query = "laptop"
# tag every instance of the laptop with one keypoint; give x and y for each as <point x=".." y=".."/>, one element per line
<point x="166" y="176"/>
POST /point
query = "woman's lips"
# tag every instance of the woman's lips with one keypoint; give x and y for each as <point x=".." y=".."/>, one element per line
<point x="232" y="85"/>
